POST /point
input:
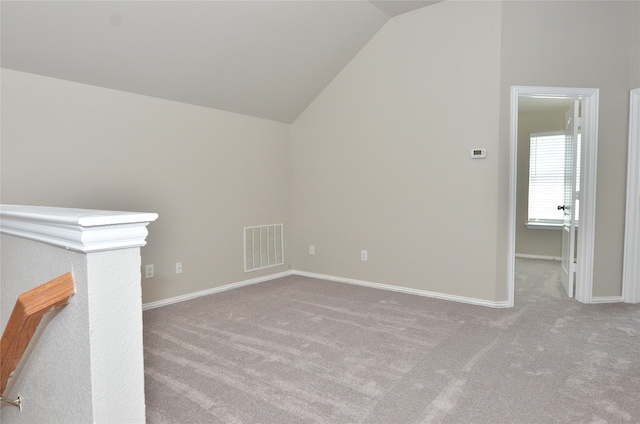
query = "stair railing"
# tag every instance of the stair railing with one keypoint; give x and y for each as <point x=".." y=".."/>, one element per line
<point x="29" y="310"/>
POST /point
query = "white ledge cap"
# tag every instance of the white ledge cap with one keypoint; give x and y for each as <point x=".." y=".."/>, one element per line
<point x="84" y="230"/>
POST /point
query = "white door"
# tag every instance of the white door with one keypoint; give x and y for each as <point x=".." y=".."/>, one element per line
<point x="567" y="276"/>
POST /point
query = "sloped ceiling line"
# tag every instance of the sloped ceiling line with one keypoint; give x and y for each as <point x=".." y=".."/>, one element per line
<point x="267" y="59"/>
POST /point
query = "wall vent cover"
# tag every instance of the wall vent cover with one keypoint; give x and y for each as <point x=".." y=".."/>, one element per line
<point x="263" y="247"/>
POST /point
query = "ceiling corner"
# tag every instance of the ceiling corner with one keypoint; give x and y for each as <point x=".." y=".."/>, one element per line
<point x="393" y="8"/>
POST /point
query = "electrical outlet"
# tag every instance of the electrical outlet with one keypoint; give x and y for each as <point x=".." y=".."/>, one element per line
<point x="364" y="256"/>
<point x="312" y="249"/>
<point x="178" y="267"/>
<point x="148" y="271"/>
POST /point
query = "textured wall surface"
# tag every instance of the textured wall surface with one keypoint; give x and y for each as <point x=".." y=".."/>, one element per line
<point x="54" y="376"/>
<point x="381" y="159"/>
<point x="115" y="317"/>
<point x="584" y="44"/>
<point x="87" y="357"/>
<point x="207" y="173"/>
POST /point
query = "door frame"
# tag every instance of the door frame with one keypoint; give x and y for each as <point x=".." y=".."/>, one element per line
<point x="588" y="172"/>
<point x="631" y="270"/>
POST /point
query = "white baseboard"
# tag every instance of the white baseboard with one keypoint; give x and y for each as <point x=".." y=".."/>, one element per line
<point x="606" y="299"/>
<point x="435" y="295"/>
<point x="546" y="258"/>
<point x="189" y="296"/>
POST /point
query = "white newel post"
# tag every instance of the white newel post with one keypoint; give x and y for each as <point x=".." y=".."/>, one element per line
<point x="85" y="363"/>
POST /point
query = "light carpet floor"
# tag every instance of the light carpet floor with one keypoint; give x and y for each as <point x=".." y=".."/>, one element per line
<point x="299" y="350"/>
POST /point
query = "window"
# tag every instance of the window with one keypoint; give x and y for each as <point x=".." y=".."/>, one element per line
<point x="546" y="178"/>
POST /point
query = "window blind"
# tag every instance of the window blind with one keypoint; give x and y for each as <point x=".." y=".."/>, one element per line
<point x="546" y="177"/>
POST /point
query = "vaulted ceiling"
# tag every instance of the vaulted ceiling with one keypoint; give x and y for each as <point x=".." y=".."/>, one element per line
<point x="267" y="59"/>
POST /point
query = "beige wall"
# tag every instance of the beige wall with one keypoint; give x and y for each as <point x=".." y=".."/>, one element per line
<point x="381" y="159"/>
<point x="534" y="241"/>
<point x="207" y="173"/>
<point x="583" y="44"/>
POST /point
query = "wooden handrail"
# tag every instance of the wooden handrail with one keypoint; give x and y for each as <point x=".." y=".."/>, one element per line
<point x="30" y="307"/>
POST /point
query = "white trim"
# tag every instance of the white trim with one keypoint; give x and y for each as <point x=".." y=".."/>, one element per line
<point x="546" y="133"/>
<point x="542" y="257"/>
<point x="194" y="295"/>
<point x="82" y="230"/>
<point x="435" y="295"/>
<point x="606" y="299"/>
<point x="586" y="241"/>
<point x="631" y="270"/>
<point x="588" y="183"/>
<point x="513" y="190"/>
<point x="543" y="226"/>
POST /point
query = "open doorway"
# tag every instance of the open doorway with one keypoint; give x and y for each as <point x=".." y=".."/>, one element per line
<point x="582" y="116"/>
<point x="548" y="158"/>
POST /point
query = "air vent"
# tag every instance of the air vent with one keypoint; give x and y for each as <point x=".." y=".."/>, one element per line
<point x="263" y="247"/>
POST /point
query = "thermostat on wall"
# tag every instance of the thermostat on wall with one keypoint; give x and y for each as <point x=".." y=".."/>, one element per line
<point x="478" y="153"/>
